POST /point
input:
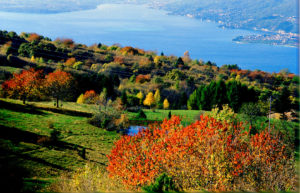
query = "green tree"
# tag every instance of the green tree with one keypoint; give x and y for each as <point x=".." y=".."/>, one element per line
<point x="250" y="112"/>
<point x="124" y="98"/>
<point x="179" y="62"/>
<point x="157" y="97"/>
<point x="220" y="94"/>
<point x="182" y="101"/>
<point x="192" y="101"/>
<point x="233" y="95"/>
<point x="283" y="102"/>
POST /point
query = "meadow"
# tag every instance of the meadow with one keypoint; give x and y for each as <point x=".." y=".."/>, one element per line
<point x="34" y="164"/>
<point x="23" y="128"/>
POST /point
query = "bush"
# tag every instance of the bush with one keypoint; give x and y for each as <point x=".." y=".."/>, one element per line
<point x="163" y="183"/>
<point x="208" y="154"/>
<point x="90" y="178"/>
<point x="110" y="119"/>
<point x="141" y="114"/>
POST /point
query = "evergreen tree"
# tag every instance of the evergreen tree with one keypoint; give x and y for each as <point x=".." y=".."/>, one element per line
<point x="220" y="97"/>
<point x="157" y="97"/>
<point x="179" y="62"/>
<point x="192" y="101"/>
<point x="283" y="102"/>
<point x="182" y="101"/>
<point x="233" y="95"/>
<point x="124" y="98"/>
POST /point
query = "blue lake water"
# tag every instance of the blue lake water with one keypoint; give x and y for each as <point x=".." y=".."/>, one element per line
<point x="149" y="29"/>
<point x="133" y="130"/>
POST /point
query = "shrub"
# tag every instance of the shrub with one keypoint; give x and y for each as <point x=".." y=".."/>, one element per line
<point x="163" y="183"/>
<point x="208" y="154"/>
<point x="110" y="119"/>
<point x="143" y="78"/>
<point x="90" y="178"/>
<point x="54" y="135"/>
<point x="141" y="114"/>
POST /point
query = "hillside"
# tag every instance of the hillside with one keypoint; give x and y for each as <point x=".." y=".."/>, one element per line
<point x="65" y="109"/>
<point x="132" y="69"/>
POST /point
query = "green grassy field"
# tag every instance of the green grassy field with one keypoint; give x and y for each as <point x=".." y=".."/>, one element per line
<point x="187" y="116"/>
<point x="39" y="164"/>
<point x="24" y="159"/>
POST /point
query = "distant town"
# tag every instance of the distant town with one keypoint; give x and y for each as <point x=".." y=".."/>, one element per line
<point x="287" y="39"/>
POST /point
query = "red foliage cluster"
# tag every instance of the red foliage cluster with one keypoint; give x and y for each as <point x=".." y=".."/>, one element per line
<point x="24" y="85"/>
<point x="143" y="78"/>
<point x="207" y="154"/>
<point x="32" y="37"/>
<point x="67" y="42"/>
<point x="90" y="96"/>
<point x="70" y="61"/>
<point x="32" y="84"/>
<point x="119" y="59"/>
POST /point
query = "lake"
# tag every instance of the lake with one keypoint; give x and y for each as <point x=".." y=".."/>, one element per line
<point x="150" y="29"/>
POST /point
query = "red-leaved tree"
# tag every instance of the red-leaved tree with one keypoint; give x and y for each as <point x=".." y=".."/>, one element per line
<point x="58" y="84"/>
<point x="24" y="85"/>
<point x="208" y="154"/>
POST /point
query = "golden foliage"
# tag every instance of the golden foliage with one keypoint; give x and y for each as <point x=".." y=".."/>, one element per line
<point x="166" y="104"/>
<point x="149" y="101"/>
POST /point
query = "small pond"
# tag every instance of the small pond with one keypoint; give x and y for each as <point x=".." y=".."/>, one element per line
<point x="134" y="129"/>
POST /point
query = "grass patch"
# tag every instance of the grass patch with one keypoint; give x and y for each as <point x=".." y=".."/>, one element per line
<point x="23" y="125"/>
<point x="187" y="116"/>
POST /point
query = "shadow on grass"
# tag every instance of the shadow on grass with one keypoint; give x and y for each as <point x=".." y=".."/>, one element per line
<point x="16" y="135"/>
<point x="38" y="110"/>
<point x="66" y="112"/>
<point x="20" y="108"/>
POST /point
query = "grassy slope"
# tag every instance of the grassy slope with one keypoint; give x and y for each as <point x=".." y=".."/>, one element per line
<point x="21" y="127"/>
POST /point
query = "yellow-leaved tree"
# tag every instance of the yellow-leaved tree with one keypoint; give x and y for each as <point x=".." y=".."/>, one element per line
<point x="149" y="101"/>
<point x="80" y="99"/>
<point x="166" y="104"/>
<point x="140" y="96"/>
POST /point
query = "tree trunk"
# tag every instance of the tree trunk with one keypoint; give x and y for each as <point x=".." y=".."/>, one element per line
<point x="24" y="101"/>
<point x="57" y="102"/>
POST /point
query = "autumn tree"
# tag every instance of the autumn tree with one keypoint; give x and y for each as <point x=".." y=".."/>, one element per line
<point x="58" y="84"/>
<point x="34" y="37"/>
<point x="140" y="96"/>
<point x="186" y="57"/>
<point x="208" y="155"/>
<point x="166" y="104"/>
<point x="24" y="85"/>
<point x="149" y="101"/>
<point x="70" y="62"/>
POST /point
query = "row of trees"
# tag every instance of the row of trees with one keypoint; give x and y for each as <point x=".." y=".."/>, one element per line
<point x="219" y="93"/>
<point x="32" y="84"/>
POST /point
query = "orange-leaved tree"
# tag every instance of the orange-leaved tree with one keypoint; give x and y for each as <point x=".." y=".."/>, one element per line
<point x="58" y="84"/>
<point x="208" y="154"/>
<point x="27" y="84"/>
